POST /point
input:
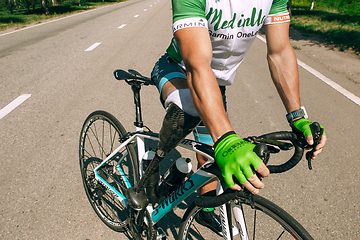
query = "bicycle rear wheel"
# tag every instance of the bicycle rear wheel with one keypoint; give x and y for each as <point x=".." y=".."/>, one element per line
<point x="99" y="137"/>
<point x="263" y="220"/>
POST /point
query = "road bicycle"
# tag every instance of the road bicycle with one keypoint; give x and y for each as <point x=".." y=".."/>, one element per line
<point x="111" y="163"/>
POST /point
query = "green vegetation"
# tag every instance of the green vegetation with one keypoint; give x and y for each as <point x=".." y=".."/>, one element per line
<point x="296" y="47"/>
<point x="19" y="13"/>
<point x="336" y="21"/>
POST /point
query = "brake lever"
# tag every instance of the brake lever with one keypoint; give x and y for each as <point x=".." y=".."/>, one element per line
<point x="317" y="132"/>
<point x="263" y="153"/>
<point x="266" y="146"/>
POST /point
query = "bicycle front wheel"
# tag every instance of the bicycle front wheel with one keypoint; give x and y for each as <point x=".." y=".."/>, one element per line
<point x="262" y="220"/>
<point x="99" y="137"/>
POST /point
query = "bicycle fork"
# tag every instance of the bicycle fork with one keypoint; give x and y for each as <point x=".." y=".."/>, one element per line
<point x="229" y="211"/>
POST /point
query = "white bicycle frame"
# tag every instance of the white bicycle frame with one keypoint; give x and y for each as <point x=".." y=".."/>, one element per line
<point x="200" y="177"/>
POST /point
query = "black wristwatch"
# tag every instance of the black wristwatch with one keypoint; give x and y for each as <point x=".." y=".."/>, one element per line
<point x="301" y="113"/>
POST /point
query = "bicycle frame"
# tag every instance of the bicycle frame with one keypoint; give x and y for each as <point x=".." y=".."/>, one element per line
<point x="197" y="179"/>
<point x="123" y="168"/>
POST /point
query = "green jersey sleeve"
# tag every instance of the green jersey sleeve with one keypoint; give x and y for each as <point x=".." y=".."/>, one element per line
<point x="183" y="9"/>
<point x="278" y="13"/>
<point x="278" y="7"/>
<point x="186" y="13"/>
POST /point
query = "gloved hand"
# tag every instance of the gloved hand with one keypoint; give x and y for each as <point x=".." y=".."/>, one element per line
<point x="302" y="125"/>
<point x="234" y="157"/>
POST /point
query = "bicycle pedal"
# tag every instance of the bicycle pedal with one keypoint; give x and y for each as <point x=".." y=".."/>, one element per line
<point x="160" y="234"/>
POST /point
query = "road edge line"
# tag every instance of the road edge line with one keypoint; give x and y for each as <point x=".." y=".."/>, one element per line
<point x="325" y="79"/>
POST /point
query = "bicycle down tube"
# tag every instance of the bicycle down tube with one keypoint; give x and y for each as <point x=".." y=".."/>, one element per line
<point x="186" y="143"/>
<point x="197" y="179"/>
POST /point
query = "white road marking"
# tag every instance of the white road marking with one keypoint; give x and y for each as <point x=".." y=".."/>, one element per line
<point x="37" y="25"/>
<point x="326" y="80"/>
<point x="122" y="26"/>
<point x="331" y="83"/>
<point x="95" y="45"/>
<point x="14" y="104"/>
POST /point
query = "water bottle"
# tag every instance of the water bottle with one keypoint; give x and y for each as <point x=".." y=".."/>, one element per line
<point x="154" y="178"/>
<point x="173" y="177"/>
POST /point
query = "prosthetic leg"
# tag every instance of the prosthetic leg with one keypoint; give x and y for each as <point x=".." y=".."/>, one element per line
<point x="176" y="126"/>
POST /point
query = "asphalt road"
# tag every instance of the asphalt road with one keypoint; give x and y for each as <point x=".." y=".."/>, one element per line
<point x="41" y="190"/>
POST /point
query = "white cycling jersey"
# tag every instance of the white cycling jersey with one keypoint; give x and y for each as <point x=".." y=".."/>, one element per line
<point x="232" y="25"/>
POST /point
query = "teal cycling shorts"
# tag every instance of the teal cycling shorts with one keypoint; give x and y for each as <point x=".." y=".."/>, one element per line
<point x="166" y="69"/>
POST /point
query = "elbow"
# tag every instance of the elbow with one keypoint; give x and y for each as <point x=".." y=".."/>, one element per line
<point x="197" y="66"/>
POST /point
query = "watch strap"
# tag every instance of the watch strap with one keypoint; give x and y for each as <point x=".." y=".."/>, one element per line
<point x="301" y="113"/>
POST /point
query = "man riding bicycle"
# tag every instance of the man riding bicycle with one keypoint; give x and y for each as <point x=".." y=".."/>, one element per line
<point x="211" y="39"/>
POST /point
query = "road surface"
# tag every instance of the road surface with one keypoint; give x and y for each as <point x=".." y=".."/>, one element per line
<point x="63" y="70"/>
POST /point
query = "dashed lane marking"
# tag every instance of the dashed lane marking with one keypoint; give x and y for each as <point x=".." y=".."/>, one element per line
<point x="95" y="45"/>
<point x="14" y="104"/>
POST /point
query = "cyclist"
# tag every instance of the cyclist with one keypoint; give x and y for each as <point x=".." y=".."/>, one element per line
<point x="211" y="39"/>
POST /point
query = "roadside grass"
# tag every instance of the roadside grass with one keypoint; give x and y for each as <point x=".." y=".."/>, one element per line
<point x="339" y="27"/>
<point x="296" y="47"/>
<point x="337" y="22"/>
<point x="23" y="17"/>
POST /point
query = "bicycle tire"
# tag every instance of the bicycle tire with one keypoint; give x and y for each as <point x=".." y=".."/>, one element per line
<point x="264" y="220"/>
<point x="99" y="137"/>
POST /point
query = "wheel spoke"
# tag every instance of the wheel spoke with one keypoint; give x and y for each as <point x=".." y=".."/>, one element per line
<point x="261" y="218"/>
<point x="281" y="234"/>
<point x="100" y="144"/>
<point x="254" y="233"/>
<point x="99" y="137"/>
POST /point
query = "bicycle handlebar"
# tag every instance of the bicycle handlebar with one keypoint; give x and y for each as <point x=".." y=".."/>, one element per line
<point x="271" y="140"/>
<point x="212" y="202"/>
<point x="298" y="152"/>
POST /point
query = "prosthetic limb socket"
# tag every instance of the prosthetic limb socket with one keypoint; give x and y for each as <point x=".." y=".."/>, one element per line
<point x="176" y="126"/>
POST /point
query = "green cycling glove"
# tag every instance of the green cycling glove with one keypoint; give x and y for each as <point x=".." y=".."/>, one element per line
<point x="303" y="126"/>
<point x="234" y="157"/>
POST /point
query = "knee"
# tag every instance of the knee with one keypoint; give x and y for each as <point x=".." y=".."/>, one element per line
<point x="182" y="98"/>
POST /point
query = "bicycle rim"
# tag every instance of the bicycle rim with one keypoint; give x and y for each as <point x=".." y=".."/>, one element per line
<point x="99" y="137"/>
<point x="263" y="220"/>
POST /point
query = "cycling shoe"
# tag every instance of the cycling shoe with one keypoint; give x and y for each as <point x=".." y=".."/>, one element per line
<point x="209" y="220"/>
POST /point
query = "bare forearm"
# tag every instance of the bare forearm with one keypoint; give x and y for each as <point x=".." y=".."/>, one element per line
<point x="208" y="102"/>
<point x="283" y="65"/>
<point x="284" y="73"/>
<point x="197" y="55"/>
